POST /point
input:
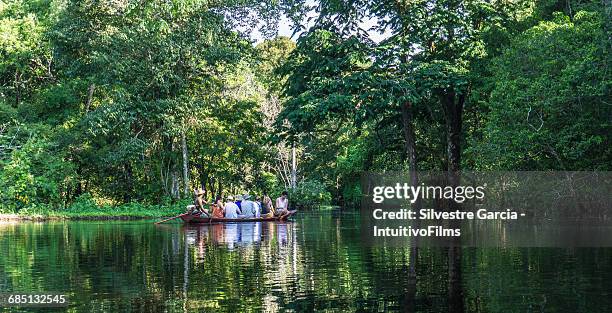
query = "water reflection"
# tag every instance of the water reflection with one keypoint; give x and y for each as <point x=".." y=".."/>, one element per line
<point x="262" y="258"/>
<point x="232" y="235"/>
<point x="317" y="263"/>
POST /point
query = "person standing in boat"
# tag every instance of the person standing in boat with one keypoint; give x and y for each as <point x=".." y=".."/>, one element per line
<point x="248" y="207"/>
<point x="231" y="210"/>
<point x="282" y="204"/>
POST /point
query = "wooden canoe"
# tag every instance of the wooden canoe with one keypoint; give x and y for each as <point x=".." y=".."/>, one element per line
<point x="197" y="219"/>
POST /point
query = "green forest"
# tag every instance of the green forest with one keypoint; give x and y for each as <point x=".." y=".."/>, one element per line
<point x="135" y="103"/>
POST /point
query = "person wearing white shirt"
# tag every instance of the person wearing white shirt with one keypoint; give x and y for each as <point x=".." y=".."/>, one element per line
<point x="248" y="207"/>
<point x="257" y="209"/>
<point x="231" y="210"/>
<point x="282" y="204"/>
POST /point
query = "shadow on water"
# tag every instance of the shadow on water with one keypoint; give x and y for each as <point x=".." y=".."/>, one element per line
<point x="314" y="263"/>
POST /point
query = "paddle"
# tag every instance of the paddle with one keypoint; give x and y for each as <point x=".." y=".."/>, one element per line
<point x="169" y="219"/>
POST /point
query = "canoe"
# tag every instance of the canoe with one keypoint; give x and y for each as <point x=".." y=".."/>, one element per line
<point x="197" y="219"/>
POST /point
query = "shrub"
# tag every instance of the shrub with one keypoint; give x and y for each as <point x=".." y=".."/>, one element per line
<point x="351" y="194"/>
<point x="84" y="202"/>
<point x="34" y="174"/>
<point x="309" y="194"/>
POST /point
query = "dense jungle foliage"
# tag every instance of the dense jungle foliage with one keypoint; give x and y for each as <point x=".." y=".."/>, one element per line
<point x="138" y="101"/>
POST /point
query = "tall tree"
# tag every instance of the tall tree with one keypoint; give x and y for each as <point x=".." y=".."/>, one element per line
<point x="548" y="107"/>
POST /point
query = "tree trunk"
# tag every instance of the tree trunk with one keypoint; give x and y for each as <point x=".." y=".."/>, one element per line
<point x="213" y="190"/>
<point x="408" y="299"/>
<point x="17" y="88"/>
<point x="185" y="165"/>
<point x="201" y="174"/>
<point x="410" y="142"/>
<point x="203" y="179"/>
<point x="452" y="104"/>
<point x="90" y="92"/>
<point x="455" y="289"/>
<point x="127" y="195"/>
<point x="293" y="167"/>
<point x="175" y="184"/>
<point x="78" y="191"/>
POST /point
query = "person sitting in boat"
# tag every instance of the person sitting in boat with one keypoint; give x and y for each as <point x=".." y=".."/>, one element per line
<point x="282" y="204"/>
<point x="217" y="208"/>
<point x="262" y="207"/>
<point x="268" y="207"/>
<point x="239" y="201"/>
<point x="258" y="207"/>
<point x="199" y="202"/>
<point x="248" y="207"/>
<point x="231" y="210"/>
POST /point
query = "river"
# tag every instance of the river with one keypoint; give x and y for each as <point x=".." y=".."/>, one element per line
<point x="317" y="262"/>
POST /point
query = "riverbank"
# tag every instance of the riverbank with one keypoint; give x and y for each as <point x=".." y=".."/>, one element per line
<point x="123" y="212"/>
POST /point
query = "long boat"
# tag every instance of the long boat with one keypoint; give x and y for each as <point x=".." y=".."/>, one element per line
<point x="198" y="219"/>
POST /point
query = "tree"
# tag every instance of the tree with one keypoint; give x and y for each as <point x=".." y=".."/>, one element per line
<point x="548" y="107"/>
<point x="271" y="55"/>
<point x="143" y="100"/>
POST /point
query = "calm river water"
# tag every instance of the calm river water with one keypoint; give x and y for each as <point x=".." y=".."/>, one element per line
<point x="315" y="263"/>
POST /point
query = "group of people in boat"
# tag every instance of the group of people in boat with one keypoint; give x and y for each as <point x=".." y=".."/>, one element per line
<point x="241" y="206"/>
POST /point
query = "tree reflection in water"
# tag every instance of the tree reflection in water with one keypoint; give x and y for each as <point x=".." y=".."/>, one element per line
<point x="316" y="263"/>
